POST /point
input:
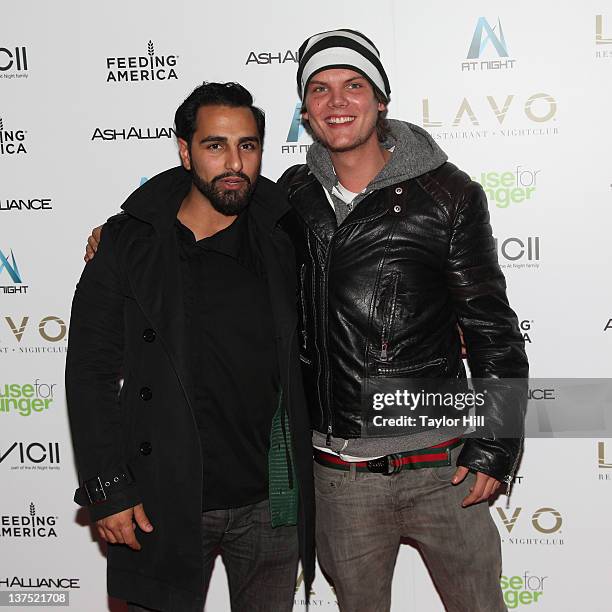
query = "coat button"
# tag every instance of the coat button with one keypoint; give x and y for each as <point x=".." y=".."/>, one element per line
<point x="146" y="394"/>
<point x="148" y="335"/>
<point x="397" y="208"/>
<point x="399" y="190"/>
<point x="145" y="448"/>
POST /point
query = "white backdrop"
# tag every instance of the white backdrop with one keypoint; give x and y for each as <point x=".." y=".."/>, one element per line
<point x="526" y="113"/>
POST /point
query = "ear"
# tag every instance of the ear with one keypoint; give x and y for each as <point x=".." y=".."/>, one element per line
<point x="304" y="116"/>
<point x="184" y="153"/>
<point x="382" y="106"/>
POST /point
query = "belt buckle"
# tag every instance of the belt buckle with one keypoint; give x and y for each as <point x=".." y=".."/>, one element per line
<point x="98" y="494"/>
<point x="379" y="466"/>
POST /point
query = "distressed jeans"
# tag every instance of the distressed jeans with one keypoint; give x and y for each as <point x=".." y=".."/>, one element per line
<point x="261" y="561"/>
<point x="362" y="517"/>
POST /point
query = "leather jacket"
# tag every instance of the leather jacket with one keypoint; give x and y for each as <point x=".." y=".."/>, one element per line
<point x="383" y="295"/>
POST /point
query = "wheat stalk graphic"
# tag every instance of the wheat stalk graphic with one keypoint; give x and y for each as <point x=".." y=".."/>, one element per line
<point x="32" y="509"/>
<point x="150" y="51"/>
<point x="1" y="126"/>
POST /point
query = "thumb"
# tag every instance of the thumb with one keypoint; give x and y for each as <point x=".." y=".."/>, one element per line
<point x="141" y="518"/>
<point x="460" y="474"/>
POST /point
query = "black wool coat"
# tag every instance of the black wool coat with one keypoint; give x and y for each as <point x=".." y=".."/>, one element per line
<point x="128" y="323"/>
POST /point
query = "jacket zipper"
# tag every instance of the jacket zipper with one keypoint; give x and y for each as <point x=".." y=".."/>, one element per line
<point x="409" y="369"/>
<point x="388" y="317"/>
<point x="304" y="316"/>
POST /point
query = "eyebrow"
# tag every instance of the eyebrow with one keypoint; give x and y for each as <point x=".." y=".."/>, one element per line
<point x="313" y="80"/>
<point x="224" y="139"/>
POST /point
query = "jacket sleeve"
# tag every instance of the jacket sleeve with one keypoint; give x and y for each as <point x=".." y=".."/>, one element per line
<point x="495" y="347"/>
<point x="93" y="374"/>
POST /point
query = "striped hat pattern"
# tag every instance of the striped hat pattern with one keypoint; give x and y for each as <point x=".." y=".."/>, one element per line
<point x="341" y="49"/>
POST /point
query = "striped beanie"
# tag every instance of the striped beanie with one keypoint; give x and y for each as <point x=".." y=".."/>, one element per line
<point x="341" y="49"/>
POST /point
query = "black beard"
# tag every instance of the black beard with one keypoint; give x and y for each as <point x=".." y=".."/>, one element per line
<point x="226" y="202"/>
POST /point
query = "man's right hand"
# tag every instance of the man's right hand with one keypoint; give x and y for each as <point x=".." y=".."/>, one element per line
<point x="92" y="243"/>
<point x="119" y="528"/>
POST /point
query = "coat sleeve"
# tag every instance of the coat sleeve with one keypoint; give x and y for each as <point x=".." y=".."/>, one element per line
<point x="495" y="347"/>
<point x="93" y="375"/>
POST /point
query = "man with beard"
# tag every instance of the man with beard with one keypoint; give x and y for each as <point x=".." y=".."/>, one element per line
<point x="205" y="446"/>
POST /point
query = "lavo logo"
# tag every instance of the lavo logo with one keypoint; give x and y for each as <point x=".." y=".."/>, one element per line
<point x="510" y="186"/>
<point x="28" y="526"/>
<point x="133" y="133"/>
<point x="32" y="452"/>
<point x="12" y="142"/>
<point x="9" y="264"/>
<point x="51" y="328"/>
<point x="601" y="457"/>
<point x="15" y="59"/>
<point x="26" y="399"/>
<point x="538" y="108"/>
<point x="484" y="36"/>
<point x="150" y="67"/>
<point x="539" y="519"/>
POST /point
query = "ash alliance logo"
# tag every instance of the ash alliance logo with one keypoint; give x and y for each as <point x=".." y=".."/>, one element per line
<point x="12" y="142"/>
<point x="31" y="204"/>
<point x="608" y="325"/>
<point x="544" y="521"/>
<point x="510" y="186"/>
<point x="31" y="398"/>
<point x="522" y="590"/>
<point x="521" y="253"/>
<point x="138" y="68"/>
<point x="51" y="329"/>
<point x="267" y="57"/>
<point x="132" y="133"/>
<point x="602" y="40"/>
<point x="30" y="455"/>
<point x="31" y="525"/>
<point x="296" y="132"/>
<point x="13" y="63"/>
<point x="483" y="39"/>
<point x="39" y="583"/>
<point x="8" y="264"/>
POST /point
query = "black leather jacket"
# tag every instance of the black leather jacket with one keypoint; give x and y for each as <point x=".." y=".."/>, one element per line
<point x="384" y="293"/>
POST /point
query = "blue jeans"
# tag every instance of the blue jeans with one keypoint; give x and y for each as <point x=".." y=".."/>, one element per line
<point x="261" y="562"/>
<point x="362" y="518"/>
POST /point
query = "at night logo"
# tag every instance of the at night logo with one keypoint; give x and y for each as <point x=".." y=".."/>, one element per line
<point x="26" y="204"/>
<point x="30" y="455"/>
<point x="30" y="525"/>
<point x="28" y="399"/>
<point x="487" y="38"/>
<point x="492" y="116"/>
<point x="602" y="40"/>
<point x="537" y="528"/>
<point x="12" y="142"/>
<point x="51" y="329"/>
<point x="523" y="590"/>
<point x="515" y="252"/>
<point x="13" y="62"/>
<point x="506" y="187"/>
<point x="132" y="133"/>
<point x="8" y="267"/>
<point x="296" y="132"/>
<point x="139" y="68"/>
<point x="267" y="57"/>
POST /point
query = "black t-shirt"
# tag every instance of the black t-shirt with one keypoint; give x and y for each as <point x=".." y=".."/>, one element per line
<point x="232" y="361"/>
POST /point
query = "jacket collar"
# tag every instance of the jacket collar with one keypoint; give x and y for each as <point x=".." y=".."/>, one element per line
<point x="157" y="201"/>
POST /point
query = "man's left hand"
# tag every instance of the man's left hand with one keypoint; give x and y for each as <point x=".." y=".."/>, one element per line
<point x="483" y="488"/>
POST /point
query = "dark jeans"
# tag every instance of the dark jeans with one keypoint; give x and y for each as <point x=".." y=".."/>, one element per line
<point x="261" y="562"/>
<point x="362" y="517"/>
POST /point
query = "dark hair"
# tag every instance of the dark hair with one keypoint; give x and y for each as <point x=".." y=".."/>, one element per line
<point x="213" y="94"/>
<point x="383" y="130"/>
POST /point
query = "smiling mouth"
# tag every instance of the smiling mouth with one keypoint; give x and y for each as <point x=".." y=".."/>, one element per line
<point x="339" y="120"/>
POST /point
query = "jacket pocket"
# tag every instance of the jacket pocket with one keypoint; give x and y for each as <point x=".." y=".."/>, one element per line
<point x="389" y="317"/>
<point x="433" y="368"/>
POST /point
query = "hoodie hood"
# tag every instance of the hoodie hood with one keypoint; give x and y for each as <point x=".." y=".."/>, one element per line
<point x="414" y="153"/>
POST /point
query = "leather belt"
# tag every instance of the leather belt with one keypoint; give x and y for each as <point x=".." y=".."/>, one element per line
<point x="433" y="456"/>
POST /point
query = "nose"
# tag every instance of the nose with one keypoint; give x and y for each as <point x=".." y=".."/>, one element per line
<point x="337" y="98"/>
<point x="233" y="160"/>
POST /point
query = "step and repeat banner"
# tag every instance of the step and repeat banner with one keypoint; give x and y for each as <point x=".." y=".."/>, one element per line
<point x="519" y="96"/>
